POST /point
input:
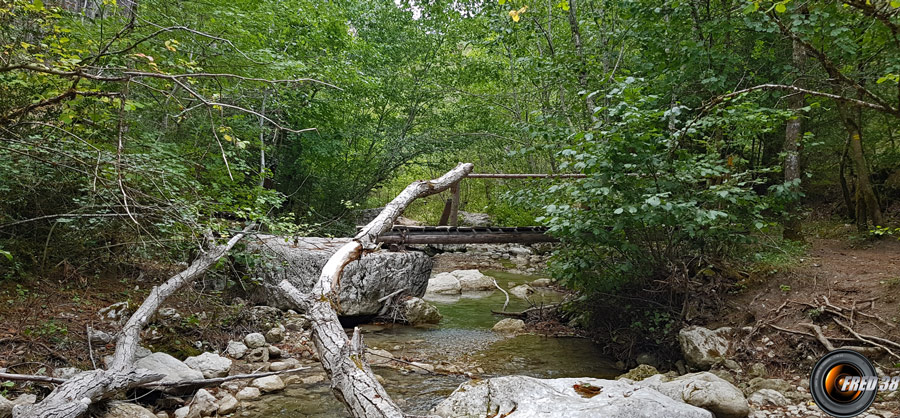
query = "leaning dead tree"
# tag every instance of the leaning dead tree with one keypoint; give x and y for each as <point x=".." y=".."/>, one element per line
<point x="74" y="396"/>
<point x="343" y="358"/>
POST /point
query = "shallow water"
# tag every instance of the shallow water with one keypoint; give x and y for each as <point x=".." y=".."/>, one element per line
<point x="463" y="336"/>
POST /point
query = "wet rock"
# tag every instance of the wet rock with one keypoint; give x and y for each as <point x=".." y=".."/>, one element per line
<point x="313" y="379"/>
<point x="421" y="368"/>
<point x="418" y="311"/>
<point x="704" y="390"/>
<point x="65" y="372"/>
<point x="444" y="284"/>
<point x="363" y="282"/>
<point x="521" y="291"/>
<point x="376" y="357"/>
<point x="287" y="364"/>
<point x="204" y="404"/>
<point x="173" y="369"/>
<point x="275" y="335"/>
<point x="542" y="283"/>
<point x="530" y="397"/>
<point x="255" y="340"/>
<point x="248" y="393"/>
<point x="236" y="349"/>
<point x="639" y="373"/>
<point x="227" y="404"/>
<point x="702" y="347"/>
<point x="509" y="326"/>
<point x="268" y="384"/>
<point x="210" y="364"/>
<point x="765" y="397"/>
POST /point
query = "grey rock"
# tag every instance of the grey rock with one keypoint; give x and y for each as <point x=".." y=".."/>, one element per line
<point x="641" y="372"/>
<point x="529" y="397"/>
<point x="521" y="291"/>
<point x="363" y="282"/>
<point x="474" y="219"/>
<point x="542" y="283"/>
<point x="227" y="404"/>
<point x="204" y="403"/>
<point x="255" y="340"/>
<point x="758" y="370"/>
<point x="173" y="369"/>
<point x="182" y="412"/>
<point x="417" y="311"/>
<point x="702" y="347"/>
<point x="444" y="284"/>
<point x="268" y="384"/>
<point x="236" y="349"/>
<point x="126" y="410"/>
<point x="114" y="312"/>
<point x="764" y="397"/>
<point x="296" y="322"/>
<point x="257" y="355"/>
<point x="274" y="352"/>
<point x="99" y="337"/>
<point x="210" y="364"/>
<point x="509" y="326"/>
<point x="704" y="390"/>
<point x="275" y="335"/>
<point x="376" y="357"/>
<point x="778" y="385"/>
<point x="248" y="393"/>
<point x="473" y="280"/>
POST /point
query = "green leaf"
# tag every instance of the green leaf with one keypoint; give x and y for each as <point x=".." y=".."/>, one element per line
<point x="780" y="8"/>
<point x="7" y="254"/>
<point x="38" y="4"/>
<point x="895" y="4"/>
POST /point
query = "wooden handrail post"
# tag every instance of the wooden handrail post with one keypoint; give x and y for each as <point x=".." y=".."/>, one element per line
<point x="454" y="204"/>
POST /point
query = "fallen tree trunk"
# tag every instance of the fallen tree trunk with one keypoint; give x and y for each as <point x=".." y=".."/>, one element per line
<point x="73" y="397"/>
<point x="352" y="381"/>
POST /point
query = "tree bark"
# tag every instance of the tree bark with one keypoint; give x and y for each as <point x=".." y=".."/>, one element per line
<point x="579" y="50"/>
<point x="866" y="202"/>
<point x="352" y="381"/>
<point x="74" y="397"/>
<point x="793" y="132"/>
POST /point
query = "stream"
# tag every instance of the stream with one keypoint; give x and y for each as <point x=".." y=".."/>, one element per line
<point x="464" y="336"/>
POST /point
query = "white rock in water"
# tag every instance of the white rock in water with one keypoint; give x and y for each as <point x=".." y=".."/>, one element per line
<point x="268" y="384"/>
<point x="703" y="347"/>
<point x="473" y="280"/>
<point x="418" y="311"/>
<point x="248" y="393"/>
<point x="444" y="284"/>
<point x="255" y="340"/>
<point x="704" y="390"/>
<point x="210" y="364"/>
<point x="236" y="349"/>
<point x="528" y="397"/>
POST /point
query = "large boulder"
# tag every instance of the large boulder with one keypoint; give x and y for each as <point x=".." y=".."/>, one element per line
<point x="444" y="284"/>
<point x="210" y="364"/>
<point x="528" y="397"/>
<point x="509" y="326"/>
<point x="363" y="283"/>
<point x="704" y="390"/>
<point x="702" y="347"/>
<point x="417" y="312"/>
<point x="173" y="369"/>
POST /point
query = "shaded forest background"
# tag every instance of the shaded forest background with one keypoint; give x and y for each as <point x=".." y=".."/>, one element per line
<point x="710" y="131"/>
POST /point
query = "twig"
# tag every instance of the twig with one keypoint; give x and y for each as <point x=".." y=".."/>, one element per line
<point x="384" y="298"/>
<point x="504" y="292"/>
<point x="87" y="333"/>
<point x="867" y="339"/>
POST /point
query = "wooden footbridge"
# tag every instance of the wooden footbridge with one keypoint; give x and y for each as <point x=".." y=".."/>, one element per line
<point x="448" y="230"/>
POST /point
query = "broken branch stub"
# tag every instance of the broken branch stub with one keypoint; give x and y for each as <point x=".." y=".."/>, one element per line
<point x="352" y="381"/>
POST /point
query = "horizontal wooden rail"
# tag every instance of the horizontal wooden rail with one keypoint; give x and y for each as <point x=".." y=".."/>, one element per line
<point x="524" y="176"/>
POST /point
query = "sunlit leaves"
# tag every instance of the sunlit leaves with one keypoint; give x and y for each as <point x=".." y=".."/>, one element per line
<point x="517" y="14"/>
